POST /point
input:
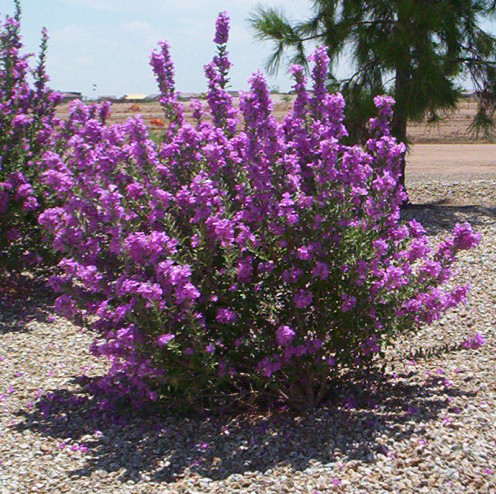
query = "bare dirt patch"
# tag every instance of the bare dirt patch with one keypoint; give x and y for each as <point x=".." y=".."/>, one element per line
<point x="470" y="159"/>
<point x="452" y="128"/>
<point x="436" y="150"/>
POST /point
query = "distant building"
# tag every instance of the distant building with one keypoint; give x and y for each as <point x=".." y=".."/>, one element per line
<point x="183" y="96"/>
<point x="153" y="97"/>
<point x="70" y="96"/>
<point x="111" y="98"/>
<point x="135" y="98"/>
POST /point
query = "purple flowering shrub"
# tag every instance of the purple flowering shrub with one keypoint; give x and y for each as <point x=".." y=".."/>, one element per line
<point x="240" y="256"/>
<point x="27" y="121"/>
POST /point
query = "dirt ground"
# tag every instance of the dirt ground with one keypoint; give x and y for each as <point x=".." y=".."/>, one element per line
<point x="446" y="147"/>
<point x="471" y="159"/>
<point x="452" y="128"/>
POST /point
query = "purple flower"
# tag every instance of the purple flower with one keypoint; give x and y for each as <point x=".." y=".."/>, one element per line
<point x="303" y="298"/>
<point x="20" y="121"/>
<point x="24" y="190"/>
<point x="430" y="269"/>
<point x="245" y="270"/>
<point x="164" y="72"/>
<point x="416" y="229"/>
<point x="187" y="293"/>
<point x="474" y="342"/>
<point x="65" y="306"/>
<point x="267" y="367"/>
<point x="348" y="302"/>
<point x="226" y="316"/>
<point x="135" y="190"/>
<point x="150" y="291"/>
<point x="59" y="181"/>
<point x="419" y="249"/>
<point x="14" y="234"/>
<point x="464" y="238"/>
<point x="30" y="204"/>
<point x="284" y="335"/>
<point x="303" y="253"/>
<point x="380" y="246"/>
<point x="164" y="339"/>
<point x="321" y="271"/>
<point x="221" y="29"/>
<point x="370" y="346"/>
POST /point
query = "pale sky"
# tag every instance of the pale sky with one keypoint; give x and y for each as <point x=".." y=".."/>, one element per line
<point x="108" y="42"/>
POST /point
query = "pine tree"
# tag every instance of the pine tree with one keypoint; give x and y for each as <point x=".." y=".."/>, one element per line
<point x="416" y="50"/>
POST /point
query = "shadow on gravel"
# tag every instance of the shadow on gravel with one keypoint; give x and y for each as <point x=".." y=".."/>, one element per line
<point x="440" y="216"/>
<point x="356" y="426"/>
<point x="23" y="301"/>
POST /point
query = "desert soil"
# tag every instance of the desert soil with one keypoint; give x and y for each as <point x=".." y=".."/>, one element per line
<point x="452" y="128"/>
<point x="444" y="148"/>
<point x="427" y="428"/>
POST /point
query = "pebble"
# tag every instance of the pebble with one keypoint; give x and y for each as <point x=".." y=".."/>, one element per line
<point x="327" y="450"/>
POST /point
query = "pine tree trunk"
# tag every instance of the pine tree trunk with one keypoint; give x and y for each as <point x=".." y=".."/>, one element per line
<point x="400" y="117"/>
<point x="398" y="130"/>
<point x="401" y="91"/>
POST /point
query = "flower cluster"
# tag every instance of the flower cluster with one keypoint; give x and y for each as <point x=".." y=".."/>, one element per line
<point x="27" y="121"/>
<point x="220" y="101"/>
<point x="474" y="342"/>
<point x="240" y="253"/>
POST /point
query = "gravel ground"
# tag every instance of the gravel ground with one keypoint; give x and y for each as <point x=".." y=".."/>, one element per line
<point x="428" y="428"/>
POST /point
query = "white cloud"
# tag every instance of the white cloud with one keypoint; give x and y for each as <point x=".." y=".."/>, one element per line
<point x="70" y="34"/>
<point x="108" y="42"/>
